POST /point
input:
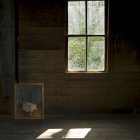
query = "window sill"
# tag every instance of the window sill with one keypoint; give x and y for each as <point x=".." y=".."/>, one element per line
<point x="86" y="75"/>
<point x="88" y="72"/>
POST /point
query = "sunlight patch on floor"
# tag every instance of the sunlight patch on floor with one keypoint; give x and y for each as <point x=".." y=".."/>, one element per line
<point x="77" y="133"/>
<point x="49" y="133"/>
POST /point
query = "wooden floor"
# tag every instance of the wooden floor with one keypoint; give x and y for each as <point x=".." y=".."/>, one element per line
<point x="72" y="129"/>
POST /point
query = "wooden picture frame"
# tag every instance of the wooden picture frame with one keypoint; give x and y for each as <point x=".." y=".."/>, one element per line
<point x="29" y="101"/>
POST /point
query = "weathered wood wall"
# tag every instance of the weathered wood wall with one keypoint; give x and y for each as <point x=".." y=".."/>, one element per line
<point x="41" y="59"/>
<point x="7" y="54"/>
<point x="115" y="92"/>
<point x="41" y="24"/>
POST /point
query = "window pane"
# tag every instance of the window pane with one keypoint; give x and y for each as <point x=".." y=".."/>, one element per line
<point x="76" y="17"/>
<point x="76" y="53"/>
<point x="96" y="53"/>
<point x="95" y="17"/>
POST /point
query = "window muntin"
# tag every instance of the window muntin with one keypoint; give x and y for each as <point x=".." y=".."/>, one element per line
<point x="86" y="36"/>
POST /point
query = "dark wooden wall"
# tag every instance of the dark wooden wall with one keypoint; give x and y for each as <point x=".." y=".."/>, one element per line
<point x="7" y="54"/>
<point x="41" y="59"/>
<point x="41" y="24"/>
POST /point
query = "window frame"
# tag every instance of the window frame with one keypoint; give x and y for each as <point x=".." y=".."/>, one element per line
<point x="86" y="35"/>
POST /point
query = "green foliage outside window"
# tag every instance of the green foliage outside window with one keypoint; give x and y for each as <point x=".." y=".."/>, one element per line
<point x="77" y="59"/>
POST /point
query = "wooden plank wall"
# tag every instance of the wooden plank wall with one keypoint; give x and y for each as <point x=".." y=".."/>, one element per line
<point x="41" y="24"/>
<point x="7" y="54"/>
<point x="79" y="93"/>
<point x="7" y="44"/>
<point x="41" y="59"/>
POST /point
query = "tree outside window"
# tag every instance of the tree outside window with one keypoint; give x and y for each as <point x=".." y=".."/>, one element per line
<point x="86" y="36"/>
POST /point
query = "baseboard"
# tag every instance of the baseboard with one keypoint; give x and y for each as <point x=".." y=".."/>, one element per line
<point x="81" y="116"/>
<point x="92" y="116"/>
<point x="5" y="117"/>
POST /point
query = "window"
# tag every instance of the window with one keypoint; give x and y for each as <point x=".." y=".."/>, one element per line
<point x="86" y="36"/>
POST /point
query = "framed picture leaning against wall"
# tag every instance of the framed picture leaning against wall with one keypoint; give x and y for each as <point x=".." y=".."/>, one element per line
<point x="29" y="101"/>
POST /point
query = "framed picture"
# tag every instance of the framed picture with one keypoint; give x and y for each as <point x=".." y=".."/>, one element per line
<point x="29" y="101"/>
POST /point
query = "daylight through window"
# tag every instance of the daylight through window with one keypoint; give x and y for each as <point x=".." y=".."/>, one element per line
<point x="86" y="36"/>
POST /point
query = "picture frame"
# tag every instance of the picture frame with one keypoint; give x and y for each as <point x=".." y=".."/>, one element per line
<point x="29" y="101"/>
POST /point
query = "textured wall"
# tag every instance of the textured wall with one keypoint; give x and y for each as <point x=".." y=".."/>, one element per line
<point x="115" y="92"/>
<point x="41" y="59"/>
<point x="41" y="24"/>
<point x="7" y="54"/>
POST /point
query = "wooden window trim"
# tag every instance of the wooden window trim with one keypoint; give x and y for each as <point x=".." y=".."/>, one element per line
<point x="106" y="35"/>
